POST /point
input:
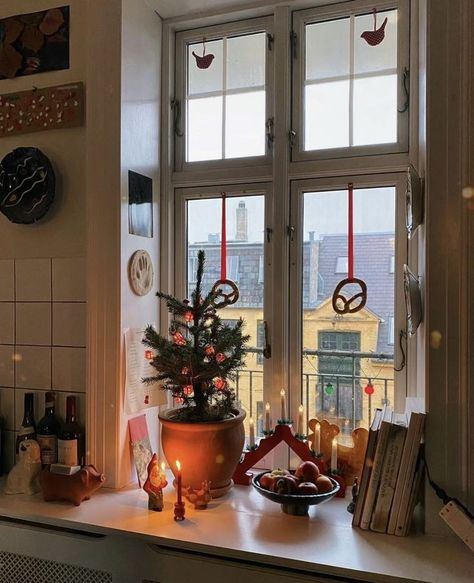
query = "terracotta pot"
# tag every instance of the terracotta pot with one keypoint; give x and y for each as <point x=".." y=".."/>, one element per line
<point x="207" y="451"/>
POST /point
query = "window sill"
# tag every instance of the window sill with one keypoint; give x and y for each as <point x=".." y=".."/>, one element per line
<point x="250" y="528"/>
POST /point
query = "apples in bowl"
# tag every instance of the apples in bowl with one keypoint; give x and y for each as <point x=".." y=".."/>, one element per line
<point x="296" y="492"/>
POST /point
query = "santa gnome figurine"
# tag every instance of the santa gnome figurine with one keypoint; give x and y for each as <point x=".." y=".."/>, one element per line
<point x="154" y="485"/>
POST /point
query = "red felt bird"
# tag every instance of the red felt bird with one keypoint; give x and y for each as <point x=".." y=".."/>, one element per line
<point x="204" y="61"/>
<point x="376" y="36"/>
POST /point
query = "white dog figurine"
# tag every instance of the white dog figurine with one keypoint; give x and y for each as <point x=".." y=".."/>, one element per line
<point x="24" y="476"/>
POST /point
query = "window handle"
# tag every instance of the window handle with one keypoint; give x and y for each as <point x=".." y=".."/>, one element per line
<point x="293" y="44"/>
<point x="291" y="232"/>
<point x="269" y="232"/>
<point x="406" y="89"/>
<point x="270" y="133"/>
<point x="270" y="41"/>
<point x="267" y="351"/>
<point x="292" y="138"/>
<point x="176" y="107"/>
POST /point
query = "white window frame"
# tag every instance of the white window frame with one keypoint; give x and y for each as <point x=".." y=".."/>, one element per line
<point x="183" y="39"/>
<point x="182" y="196"/>
<point x="311" y="16"/>
<point x="298" y="188"/>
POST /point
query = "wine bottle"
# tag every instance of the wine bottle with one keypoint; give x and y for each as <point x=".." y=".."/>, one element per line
<point x="48" y="430"/>
<point x="27" y="428"/>
<point x="70" y="437"/>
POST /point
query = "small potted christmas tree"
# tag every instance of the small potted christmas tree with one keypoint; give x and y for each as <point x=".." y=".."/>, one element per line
<point x="196" y="364"/>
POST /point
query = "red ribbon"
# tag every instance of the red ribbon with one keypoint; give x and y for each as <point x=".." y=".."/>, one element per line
<point x="223" y="240"/>
<point x="350" y="232"/>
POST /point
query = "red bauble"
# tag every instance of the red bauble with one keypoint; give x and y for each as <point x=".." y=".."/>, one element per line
<point x="179" y="339"/>
<point x="209" y="350"/>
<point x="189" y="316"/>
<point x="220" y="384"/>
<point x="220" y="357"/>
<point x="188" y="390"/>
<point x="179" y="400"/>
<point x="185" y="371"/>
<point x="149" y="354"/>
<point x="369" y="389"/>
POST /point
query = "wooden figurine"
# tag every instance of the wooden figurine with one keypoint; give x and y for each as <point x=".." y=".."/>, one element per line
<point x="23" y="477"/>
<point x="154" y="485"/>
<point x="200" y="498"/>
<point x="76" y="488"/>
<point x="350" y="460"/>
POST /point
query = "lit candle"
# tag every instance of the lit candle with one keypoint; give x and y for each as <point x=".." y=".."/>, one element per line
<point x="164" y="483"/>
<point x="334" y="455"/>
<point x="179" y="482"/>
<point x="267" y="417"/>
<point x="317" y="438"/>
<point x="283" y="405"/>
<point x="251" y="432"/>
<point x="299" y="429"/>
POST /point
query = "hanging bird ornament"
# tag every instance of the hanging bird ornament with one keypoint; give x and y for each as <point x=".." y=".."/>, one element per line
<point x="203" y="61"/>
<point x="376" y="36"/>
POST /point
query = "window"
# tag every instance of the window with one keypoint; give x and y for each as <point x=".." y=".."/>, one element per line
<point x="287" y="208"/>
<point x="347" y="91"/>
<point x="192" y="268"/>
<point x="225" y="105"/>
<point x="341" y="265"/>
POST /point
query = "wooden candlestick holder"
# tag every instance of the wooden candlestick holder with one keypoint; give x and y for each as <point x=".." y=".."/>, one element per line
<point x="282" y="433"/>
<point x="350" y="460"/>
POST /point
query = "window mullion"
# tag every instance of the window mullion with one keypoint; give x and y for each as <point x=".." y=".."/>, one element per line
<point x="351" y="81"/>
<point x="224" y="94"/>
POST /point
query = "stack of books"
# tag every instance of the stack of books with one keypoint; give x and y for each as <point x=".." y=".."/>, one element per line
<point x="392" y="472"/>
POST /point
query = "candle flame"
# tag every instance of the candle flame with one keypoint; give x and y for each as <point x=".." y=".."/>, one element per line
<point x="318" y="426"/>
<point x="301" y="408"/>
<point x="251" y="421"/>
<point x="163" y="466"/>
<point x="334" y="441"/>
<point x="178" y="465"/>
<point x="282" y="392"/>
<point x="267" y="407"/>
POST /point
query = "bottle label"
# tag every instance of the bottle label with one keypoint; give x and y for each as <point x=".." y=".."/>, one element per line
<point x="67" y="452"/>
<point x="49" y="448"/>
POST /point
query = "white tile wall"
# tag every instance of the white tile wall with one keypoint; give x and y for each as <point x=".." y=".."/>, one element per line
<point x="7" y="280"/>
<point x="33" y="280"/>
<point x="42" y="339"/>
<point x="7" y="323"/>
<point x="33" y="323"/>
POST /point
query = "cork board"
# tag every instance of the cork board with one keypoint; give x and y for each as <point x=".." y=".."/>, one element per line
<point x="38" y="110"/>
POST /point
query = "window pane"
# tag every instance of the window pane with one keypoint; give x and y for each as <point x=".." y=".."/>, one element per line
<point x="327" y="49"/>
<point x="245" y="125"/>
<point x="367" y="58"/>
<point x="204" y="129"/>
<point x="342" y="353"/>
<point x="327" y="115"/>
<point x="375" y="110"/>
<point x="205" y="80"/>
<point x="245" y="246"/>
<point x="246" y="61"/>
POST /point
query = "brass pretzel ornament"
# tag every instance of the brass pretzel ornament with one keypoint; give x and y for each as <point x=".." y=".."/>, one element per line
<point x="338" y="298"/>
<point x="228" y="298"/>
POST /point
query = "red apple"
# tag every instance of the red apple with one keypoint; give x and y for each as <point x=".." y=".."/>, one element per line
<point x="324" y="484"/>
<point x="285" y="485"/>
<point x="267" y="481"/>
<point x="307" y="472"/>
<point x="307" y="488"/>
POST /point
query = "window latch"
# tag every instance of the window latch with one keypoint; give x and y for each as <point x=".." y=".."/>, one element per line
<point x="291" y="232"/>
<point x="267" y="351"/>
<point x="292" y="138"/>
<point x="293" y="44"/>
<point x="269" y="232"/>
<point x="270" y="133"/>
<point x="406" y="89"/>
<point x="270" y="41"/>
<point x="176" y="108"/>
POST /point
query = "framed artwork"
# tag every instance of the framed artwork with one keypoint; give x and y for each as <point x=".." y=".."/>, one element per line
<point x="140" y="204"/>
<point x="34" y="43"/>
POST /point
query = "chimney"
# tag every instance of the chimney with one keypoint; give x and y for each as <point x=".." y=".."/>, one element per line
<point x="241" y="231"/>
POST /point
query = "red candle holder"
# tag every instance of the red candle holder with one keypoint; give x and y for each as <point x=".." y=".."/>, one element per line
<point x="282" y="432"/>
<point x="179" y="511"/>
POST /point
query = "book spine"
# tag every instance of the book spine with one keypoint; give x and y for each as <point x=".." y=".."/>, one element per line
<point x="409" y="443"/>
<point x="410" y="477"/>
<point x="375" y="475"/>
<point x="364" y="480"/>
<point x="388" y="479"/>
<point x="414" y="497"/>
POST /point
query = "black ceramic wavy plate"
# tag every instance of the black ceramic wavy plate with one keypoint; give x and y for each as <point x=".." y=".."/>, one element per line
<point x="310" y="499"/>
<point x="27" y="185"/>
